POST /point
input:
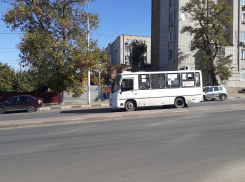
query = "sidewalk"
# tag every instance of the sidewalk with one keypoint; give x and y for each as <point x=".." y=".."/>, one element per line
<point x="236" y="95"/>
<point x="75" y="105"/>
<point x="105" y="103"/>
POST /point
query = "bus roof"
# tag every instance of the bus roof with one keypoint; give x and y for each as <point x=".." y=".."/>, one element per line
<point x="155" y="72"/>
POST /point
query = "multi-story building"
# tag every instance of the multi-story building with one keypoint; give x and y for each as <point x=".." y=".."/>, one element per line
<point x="119" y="50"/>
<point x="170" y="48"/>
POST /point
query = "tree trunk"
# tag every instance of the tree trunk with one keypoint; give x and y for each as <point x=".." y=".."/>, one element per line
<point x="214" y="80"/>
<point x="99" y="78"/>
<point x="61" y="98"/>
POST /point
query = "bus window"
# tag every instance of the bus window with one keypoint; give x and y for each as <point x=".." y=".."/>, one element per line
<point x="188" y="80"/>
<point x="197" y="79"/>
<point x="173" y="80"/>
<point x="144" y="82"/>
<point x="127" y="84"/>
<point x="157" y="81"/>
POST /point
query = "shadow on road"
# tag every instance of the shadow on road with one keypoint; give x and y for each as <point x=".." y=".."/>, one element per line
<point x="111" y="110"/>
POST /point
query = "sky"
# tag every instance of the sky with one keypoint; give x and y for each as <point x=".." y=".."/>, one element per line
<point x="117" y="17"/>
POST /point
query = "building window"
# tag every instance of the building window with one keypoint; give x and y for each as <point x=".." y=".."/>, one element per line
<point x="126" y="57"/>
<point x="243" y="18"/>
<point x="221" y="51"/>
<point x="243" y="36"/>
<point x="243" y="54"/>
<point x="171" y="36"/>
<point x="127" y="48"/>
<point x="242" y="74"/>
<point x="243" y="2"/>
<point x="171" y="20"/>
<point x="215" y="1"/>
<point x="171" y="2"/>
<point x="170" y="54"/>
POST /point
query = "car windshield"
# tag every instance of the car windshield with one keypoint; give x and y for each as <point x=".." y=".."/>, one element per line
<point x="115" y="84"/>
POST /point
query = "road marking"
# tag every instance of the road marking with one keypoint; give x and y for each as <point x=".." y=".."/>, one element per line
<point x="112" y="116"/>
<point x="74" y="119"/>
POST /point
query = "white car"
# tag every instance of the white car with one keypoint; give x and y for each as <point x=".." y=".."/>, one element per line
<point x="214" y="92"/>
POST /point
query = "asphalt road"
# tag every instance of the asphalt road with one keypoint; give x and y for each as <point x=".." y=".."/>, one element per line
<point x="22" y="115"/>
<point x="206" y="147"/>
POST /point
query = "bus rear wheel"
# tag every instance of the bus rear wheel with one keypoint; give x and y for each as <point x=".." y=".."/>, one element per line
<point x="130" y="106"/>
<point x="179" y="103"/>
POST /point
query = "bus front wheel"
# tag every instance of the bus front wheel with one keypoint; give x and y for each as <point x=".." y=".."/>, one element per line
<point x="179" y="102"/>
<point x="130" y="106"/>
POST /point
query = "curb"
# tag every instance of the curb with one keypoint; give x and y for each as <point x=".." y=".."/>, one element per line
<point x="69" y="107"/>
<point x="238" y="97"/>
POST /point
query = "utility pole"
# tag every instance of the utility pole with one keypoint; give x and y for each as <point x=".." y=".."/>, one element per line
<point x="207" y="12"/>
<point x="88" y="89"/>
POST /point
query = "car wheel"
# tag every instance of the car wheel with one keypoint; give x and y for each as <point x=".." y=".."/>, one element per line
<point x="130" y="106"/>
<point x="204" y="98"/>
<point x="223" y="97"/>
<point x="31" y="109"/>
<point x="1" y="111"/>
<point x="179" y="103"/>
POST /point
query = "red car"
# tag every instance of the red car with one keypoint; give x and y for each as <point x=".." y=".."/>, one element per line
<point x="21" y="102"/>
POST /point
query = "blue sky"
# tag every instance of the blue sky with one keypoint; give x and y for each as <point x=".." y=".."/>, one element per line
<point x="116" y="17"/>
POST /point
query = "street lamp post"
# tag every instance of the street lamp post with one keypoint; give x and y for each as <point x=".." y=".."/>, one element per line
<point x="88" y="87"/>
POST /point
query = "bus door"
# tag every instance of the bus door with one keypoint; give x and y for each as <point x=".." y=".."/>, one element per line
<point x="127" y="88"/>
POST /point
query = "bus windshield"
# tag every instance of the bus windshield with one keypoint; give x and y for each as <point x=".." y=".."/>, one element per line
<point x="115" y="84"/>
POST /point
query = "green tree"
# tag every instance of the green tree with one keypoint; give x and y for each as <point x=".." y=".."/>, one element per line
<point x="25" y="82"/>
<point x="100" y="68"/>
<point x="210" y="31"/>
<point x="137" y="54"/>
<point x="54" y="44"/>
<point x="7" y="78"/>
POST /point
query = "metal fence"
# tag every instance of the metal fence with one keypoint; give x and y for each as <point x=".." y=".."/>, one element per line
<point x="96" y="94"/>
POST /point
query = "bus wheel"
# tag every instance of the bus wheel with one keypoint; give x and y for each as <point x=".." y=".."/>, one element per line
<point x="179" y="102"/>
<point x="130" y="106"/>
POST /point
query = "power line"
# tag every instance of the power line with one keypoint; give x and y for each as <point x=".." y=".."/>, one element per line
<point x="11" y="33"/>
<point x="9" y="60"/>
<point x="7" y="52"/>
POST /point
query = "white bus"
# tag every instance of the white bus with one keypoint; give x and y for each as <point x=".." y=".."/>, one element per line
<point x="135" y="89"/>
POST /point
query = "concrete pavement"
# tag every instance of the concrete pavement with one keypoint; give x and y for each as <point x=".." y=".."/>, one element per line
<point x="114" y="115"/>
